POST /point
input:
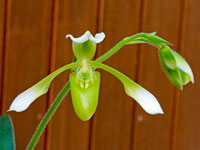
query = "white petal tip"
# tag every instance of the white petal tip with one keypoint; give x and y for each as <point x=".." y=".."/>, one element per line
<point x="99" y="37"/>
<point x="147" y="101"/>
<point x="87" y="36"/>
<point x="155" y="112"/>
<point x="23" y="100"/>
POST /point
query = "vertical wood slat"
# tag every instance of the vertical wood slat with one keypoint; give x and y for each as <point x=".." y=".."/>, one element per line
<point x="74" y="17"/>
<point x="113" y="119"/>
<point x="52" y="67"/>
<point x="153" y="132"/>
<point x="188" y="132"/>
<point x="2" y="33"/>
<point x="176" y="100"/>
<point x="26" y="62"/>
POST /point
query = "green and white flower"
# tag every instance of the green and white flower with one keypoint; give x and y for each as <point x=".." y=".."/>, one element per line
<point x="85" y="81"/>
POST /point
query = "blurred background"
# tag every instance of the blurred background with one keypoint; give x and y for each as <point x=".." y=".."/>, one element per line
<point x="33" y="44"/>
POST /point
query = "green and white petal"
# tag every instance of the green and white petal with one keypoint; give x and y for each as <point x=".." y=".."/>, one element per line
<point x="147" y="101"/>
<point x="87" y="36"/>
<point x="23" y="100"/>
<point x="183" y="65"/>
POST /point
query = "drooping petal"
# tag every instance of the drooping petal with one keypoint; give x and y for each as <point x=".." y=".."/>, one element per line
<point x="87" y="36"/>
<point x="147" y="101"/>
<point x="23" y="100"/>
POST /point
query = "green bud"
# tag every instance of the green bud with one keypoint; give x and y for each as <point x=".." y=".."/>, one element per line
<point x="84" y="51"/>
<point x="175" y="67"/>
<point x="85" y="92"/>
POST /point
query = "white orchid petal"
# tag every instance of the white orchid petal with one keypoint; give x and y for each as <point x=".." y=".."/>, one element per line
<point x="99" y="37"/>
<point x="146" y="100"/>
<point x="23" y="100"/>
<point x="81" y="39"/>
<point x="87" y="36"/>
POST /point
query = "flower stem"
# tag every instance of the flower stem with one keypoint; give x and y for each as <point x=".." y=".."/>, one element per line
<point x="119" y="45"/>
<point x="48" y="116"/>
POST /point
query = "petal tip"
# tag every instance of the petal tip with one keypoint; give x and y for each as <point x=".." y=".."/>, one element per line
<point x="155" y="111"/>
<point x="87" y="36"/>
<point x="99" y="37"/>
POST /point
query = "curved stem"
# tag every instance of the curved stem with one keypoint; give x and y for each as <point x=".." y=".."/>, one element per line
<point x="48" y="116"/>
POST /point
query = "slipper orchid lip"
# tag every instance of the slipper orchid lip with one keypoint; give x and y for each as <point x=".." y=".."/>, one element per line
<point x="87" y="36"/>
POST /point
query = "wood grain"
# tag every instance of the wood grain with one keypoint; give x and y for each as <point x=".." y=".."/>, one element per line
<point x="153" y="132"/>
<point x="26" y="62"/>
<point x="188" y="132"/>
<point x="112" y="123"/>
<point x="74" y="17"/>
<point x="32" y="44"/>
<point x="2" y="33"/>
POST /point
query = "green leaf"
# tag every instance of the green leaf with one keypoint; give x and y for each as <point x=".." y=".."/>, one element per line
<point x="141" y="95"/>
<point x="7" y="140"/>
<point x="85" y="95"/>
<point x="23" y="100"/>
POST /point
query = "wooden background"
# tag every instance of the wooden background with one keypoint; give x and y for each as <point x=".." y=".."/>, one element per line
<point x="33" y="44"/>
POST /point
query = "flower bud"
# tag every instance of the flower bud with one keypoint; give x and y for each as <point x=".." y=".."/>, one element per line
<point x="175" y="67"/>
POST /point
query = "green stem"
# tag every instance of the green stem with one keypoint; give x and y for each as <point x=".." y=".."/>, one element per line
<point x="117" y="47"/>
<point x="111" y="52"/>
<point x="48" y="116"/>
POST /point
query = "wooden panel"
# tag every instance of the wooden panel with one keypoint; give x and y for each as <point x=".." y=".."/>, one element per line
<point x="188" y="131"/>
<point x="26" y="62"/>
<point x="2" y="22"/>
<point x="153" y="131"/>
<point x="112" y="124"/>
<point x="74" y="17"/>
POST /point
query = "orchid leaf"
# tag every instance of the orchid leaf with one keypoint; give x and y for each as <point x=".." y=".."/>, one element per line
<point x="7" y="139"/>
<point x="141" y="95"/>
<point x="23" y="100"/>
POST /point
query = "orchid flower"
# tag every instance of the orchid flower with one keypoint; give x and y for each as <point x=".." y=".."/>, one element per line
<point x="85" y="80"/>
